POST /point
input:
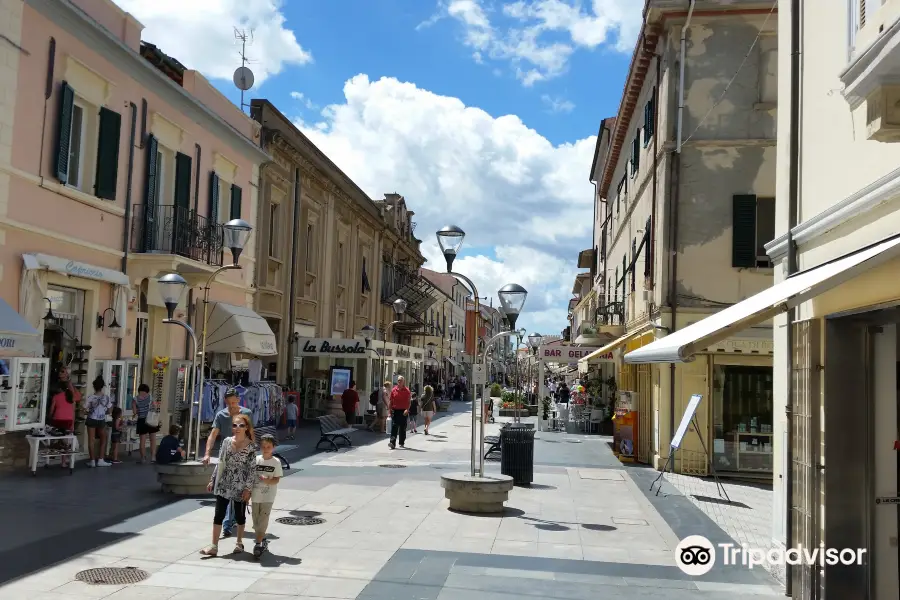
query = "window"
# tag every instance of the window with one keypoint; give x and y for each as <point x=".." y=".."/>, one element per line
<point x="622" y="194"/>
<point x="649" y="117"/>
<point x="340" y="263"/>
<point x="753" y="226"/>
<point x="274" y="210"/>
<point x="76" y="147"/>
<point x="636" y="153"/>
<point x="634" y="251"/>
<point x="310" y="248"/>
<point x="768" y="69"/>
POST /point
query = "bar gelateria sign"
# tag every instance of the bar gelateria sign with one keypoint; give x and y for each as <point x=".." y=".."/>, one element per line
<point x="569" y="354"/>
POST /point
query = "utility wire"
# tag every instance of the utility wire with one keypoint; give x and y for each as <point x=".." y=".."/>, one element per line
<point x="734" y="77"/>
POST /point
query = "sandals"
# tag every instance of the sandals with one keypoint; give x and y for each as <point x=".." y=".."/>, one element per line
<point x="238" y="548"/>
<point x="210" y="551"/>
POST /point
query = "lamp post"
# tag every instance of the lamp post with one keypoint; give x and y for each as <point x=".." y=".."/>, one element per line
<point x="519" y="335"/>
<point x="368" y="332"/>
<point x="235" y="235"/>
<point x="450" y="238"/>
<point x="399" y="305"/>
<point x="171" y="289"/>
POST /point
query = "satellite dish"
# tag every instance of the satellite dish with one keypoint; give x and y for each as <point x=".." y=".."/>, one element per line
<point x="243" y="78"/>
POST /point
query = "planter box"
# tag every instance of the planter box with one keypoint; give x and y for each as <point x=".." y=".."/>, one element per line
<point x="511" y="412"/>
<point x="532" y="410"/>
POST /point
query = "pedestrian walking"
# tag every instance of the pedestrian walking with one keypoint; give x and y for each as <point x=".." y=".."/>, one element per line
<point x="97" y="406"/>
<point x="414" y="412"/>
<point x="222" y="426"/>
<point x="291" y="415"/>
<point x="232" y="481"/>
<point x="140" y="407"/>
<point x="349" y="402"/>
<point x="385" y="406"/>
<point x="400" y="400"/>
<point x="268" y="474"/>
<point x="428" y="406"/>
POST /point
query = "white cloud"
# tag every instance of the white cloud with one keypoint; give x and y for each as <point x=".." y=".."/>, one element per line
<point x="556" y="104"/>
<point x="518" y="196"/>
<point x="523" y="41"/>
<point x="200" y="34"/>
<point x="301" y="98"/>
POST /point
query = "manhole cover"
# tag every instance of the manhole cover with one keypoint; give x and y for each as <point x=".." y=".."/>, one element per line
<point x="300" y="520"/>
<point x="112" y="576"/>
<point x="392" y="466"/>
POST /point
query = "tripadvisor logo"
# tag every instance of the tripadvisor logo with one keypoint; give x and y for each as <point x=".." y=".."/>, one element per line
<point x="695" y="556"/>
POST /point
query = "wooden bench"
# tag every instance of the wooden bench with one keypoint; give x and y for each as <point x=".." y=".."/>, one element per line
<point x="332" y="429"/>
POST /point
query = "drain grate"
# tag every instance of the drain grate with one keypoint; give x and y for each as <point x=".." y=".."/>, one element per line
<point x="299" y="520"/>
<point x="112" y="576"/>
<point x="438" y="441"/>
<point x="392" y="466"/>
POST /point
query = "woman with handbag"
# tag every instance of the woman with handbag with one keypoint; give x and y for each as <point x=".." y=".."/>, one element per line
<point x="147" y="413"/>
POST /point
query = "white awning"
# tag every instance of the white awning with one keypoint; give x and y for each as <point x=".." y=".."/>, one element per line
<point x="73" y="268"/>
<point x="17" y="337"/>
<point x="604" y="354"/>
<point x="238" y="329"/>
<point x="452" y="362"/>
<point x="683" y="344"/>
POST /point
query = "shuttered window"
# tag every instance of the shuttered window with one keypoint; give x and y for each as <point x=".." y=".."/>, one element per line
<point x="650" y="117"/>
<point x="236" y="198"/>
<point x="634" y="256"/>
<point x="636" y="153"/>
<point x="108" y="142"/>
<point x="213" y="198"/>
<point x="64" y="131"/>
<point x="151" y="193"/>
<point x="743" y="247"/>
<point x="182" y="183"/>
<point x="646" y="244"/>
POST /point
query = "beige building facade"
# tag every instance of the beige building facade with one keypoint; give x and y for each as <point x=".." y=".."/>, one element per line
<point x="685" y="205"/>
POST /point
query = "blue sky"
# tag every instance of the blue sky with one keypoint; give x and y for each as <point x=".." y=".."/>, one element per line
<point x="480" y="113"/>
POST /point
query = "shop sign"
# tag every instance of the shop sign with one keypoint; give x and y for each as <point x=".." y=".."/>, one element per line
<point x="569" y="354"/>
<point x="78" y="269"/>
<point x="403" y="352"/>
<point x="333" y="346"/>
<point x="7" y="342"/>
<point x="267" y="346"/>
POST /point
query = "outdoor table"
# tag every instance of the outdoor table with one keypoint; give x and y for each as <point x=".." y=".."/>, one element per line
<point x="35" y="454"/>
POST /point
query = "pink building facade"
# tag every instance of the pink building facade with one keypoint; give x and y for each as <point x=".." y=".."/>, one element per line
<point x="117" y="165"/>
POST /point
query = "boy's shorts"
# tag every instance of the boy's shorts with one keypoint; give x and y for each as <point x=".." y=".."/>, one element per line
<point x="261" y="512"/>
<point x="292" y="422"/>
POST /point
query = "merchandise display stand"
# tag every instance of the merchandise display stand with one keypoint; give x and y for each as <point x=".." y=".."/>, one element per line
<point x="40" y="450"/>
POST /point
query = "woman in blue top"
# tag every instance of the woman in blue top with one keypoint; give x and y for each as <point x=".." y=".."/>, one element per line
<point x="140" y="406"/>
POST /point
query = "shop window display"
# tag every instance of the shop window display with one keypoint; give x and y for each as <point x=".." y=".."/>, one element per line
<point x="742" y="419"/>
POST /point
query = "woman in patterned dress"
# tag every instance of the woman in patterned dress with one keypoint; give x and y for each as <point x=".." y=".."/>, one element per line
<point x="232" y="480"/>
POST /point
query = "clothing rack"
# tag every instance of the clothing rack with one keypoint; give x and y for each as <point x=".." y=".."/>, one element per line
<point x="264" y="399"/>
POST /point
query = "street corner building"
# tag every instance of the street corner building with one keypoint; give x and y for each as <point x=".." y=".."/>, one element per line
<point x="117" y="165"/>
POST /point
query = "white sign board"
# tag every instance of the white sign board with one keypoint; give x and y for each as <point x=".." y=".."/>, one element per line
<point x="689" y="411"/>
<point x="479" y="374"/>
<point x="566" y="355"/>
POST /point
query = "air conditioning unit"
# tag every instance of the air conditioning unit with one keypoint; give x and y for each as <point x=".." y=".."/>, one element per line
<point x="883" y="114"/>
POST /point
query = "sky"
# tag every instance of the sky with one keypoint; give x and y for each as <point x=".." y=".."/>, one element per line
<point x="481" y="113"/>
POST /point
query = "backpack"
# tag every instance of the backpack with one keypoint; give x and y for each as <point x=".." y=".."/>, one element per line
<point x="373" y="398"/>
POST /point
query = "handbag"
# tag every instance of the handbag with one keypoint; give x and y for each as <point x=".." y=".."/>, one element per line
<point x="152" y="419"/>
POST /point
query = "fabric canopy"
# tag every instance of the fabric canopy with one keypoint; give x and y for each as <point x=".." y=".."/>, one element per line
<point x="238" y="329"/>
<point x="17" y="337"/>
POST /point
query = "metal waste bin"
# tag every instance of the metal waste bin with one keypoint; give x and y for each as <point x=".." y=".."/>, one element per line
<point x="517" y="452"/>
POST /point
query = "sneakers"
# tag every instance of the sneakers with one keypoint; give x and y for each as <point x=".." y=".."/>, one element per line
<point x="260" y="548"/>
<point x="91" y="464"/>
<point x="392" y="445"/>
<point x="226" y="533"/>
<point x="103" y="463"/>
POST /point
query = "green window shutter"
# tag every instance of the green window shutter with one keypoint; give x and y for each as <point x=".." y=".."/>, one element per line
<point x="743" y="242"/>
<point x="64" y="131"/>
<point x="151" y="192"/>
<point x="182" y="182"/>
<point x="236" y="196"/>
<point x="108" y="143"/>
<point x="213" y="198"/>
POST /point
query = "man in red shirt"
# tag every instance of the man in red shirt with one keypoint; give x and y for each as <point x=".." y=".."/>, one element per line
<point x="401" y="398"/>
<point x="349" y="400"/>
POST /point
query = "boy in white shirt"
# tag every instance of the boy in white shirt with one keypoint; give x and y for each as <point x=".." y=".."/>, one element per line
<point x="268" y="474"/>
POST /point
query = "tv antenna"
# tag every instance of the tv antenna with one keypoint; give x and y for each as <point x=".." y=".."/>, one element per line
<point x="243" y="76"/>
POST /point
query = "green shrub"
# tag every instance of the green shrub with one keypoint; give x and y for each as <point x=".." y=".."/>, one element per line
<point x="496" y="391"/>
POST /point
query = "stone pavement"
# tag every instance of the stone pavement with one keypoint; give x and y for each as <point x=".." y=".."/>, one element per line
<point x="587" y="528"/>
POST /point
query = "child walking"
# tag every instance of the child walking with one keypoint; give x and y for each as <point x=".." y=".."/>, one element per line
<point x="414" y="413"/>
<point x="291" y="411"/>
<point x="115" y="435"/>
<point x="268" y="474"/>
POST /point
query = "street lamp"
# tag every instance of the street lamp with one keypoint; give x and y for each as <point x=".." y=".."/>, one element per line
<point x="450" y="239"/>
<point x="171" y="288"/>
<point x="368" y="332"/>
<point x="235" y="234"/>
<point x="49" y="319"/>
<point x="512" y="299"/>
<point x="399" y="305"/>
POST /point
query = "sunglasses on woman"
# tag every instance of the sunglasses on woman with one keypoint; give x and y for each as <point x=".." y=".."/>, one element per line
<point x="240" y="425"/>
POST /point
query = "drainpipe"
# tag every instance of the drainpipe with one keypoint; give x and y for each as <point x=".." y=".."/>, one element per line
<point x="793" y="202"/>
<point x="126" y="225"/>
<point x="675" y="195"/>
<point x="293" y="283"/>
<point x="652" y="232"/>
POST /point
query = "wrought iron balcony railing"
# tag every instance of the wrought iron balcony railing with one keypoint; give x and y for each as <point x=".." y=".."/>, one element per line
<point x="612" y="314"/>
<point x="170" y="229"/>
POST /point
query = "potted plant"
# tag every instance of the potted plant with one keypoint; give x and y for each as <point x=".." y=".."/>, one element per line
<point x="544" y="422"/>
<point x="496" y="391"/>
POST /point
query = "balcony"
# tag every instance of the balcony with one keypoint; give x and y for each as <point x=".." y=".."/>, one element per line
<point x="177" y="231"/>
<point x="874" y="69"/>
<point x="611" y="319"/>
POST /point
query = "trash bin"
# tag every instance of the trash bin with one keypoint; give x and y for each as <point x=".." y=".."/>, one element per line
<point x="517" y="452"/>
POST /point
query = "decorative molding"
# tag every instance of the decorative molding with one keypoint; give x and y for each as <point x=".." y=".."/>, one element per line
<point x="880" y="191"/>
<point x="87" y="83"/>
<point x="168" y="133"/>
<point x="58" y="236"/>
<point x="225" y="168"/>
